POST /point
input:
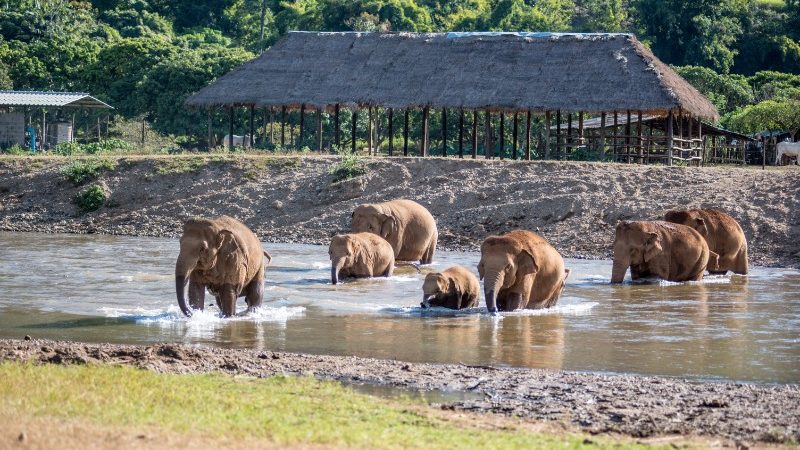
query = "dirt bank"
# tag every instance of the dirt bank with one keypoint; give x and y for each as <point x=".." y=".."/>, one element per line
<point x="288" y="199"/>
<point x="633" y="405"/>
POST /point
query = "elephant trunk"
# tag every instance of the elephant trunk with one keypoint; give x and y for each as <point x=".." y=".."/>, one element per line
<point x="183" y="267"/>
<point x="621" y="264"/>
<point x="336" y="267"/>
<point x="490" y="290"/>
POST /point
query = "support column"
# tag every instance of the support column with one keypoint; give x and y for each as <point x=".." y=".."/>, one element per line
<point x="426" y="112"/>
<point x="670" y="117"/>
<point x="299" y="141"/>
<point x="230" y="128"/>
<point x="252" y="127"/>
<point x="515" y="129"/>
<point x="502" y="135"/>
<point x="353" y="131"/>
<point x="210" y="131"/>
<point x="370" y="119"/>
<point x="487" y="151"/>
<point x="580" y="128"/>
<point x="283" y="127"/>
<point x="444" y="132"/>
<point x="337" y="132"/>
<point x="99" y="131"/>
<point x="405" y="133"/>
<point x="391" y="132"/>
<point x="474" y="134"/>
<point x="614" y="139"/>
<point x="264" y="127"/>
<point x="569" y="135"/>
<point x="628" y="137"/>
<point x="319" y="130"/>
<point x="528" y="136"/>
<point x="639" y="135"/>
<point x="547" y="135"/>
<point x="44" y="128"/>
<point x="558" y="134"/>
<point x="461" y="133"/>
<point x="602" y="136"/>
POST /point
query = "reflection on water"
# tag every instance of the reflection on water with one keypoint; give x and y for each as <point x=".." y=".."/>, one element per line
<point x="119" y="289"/>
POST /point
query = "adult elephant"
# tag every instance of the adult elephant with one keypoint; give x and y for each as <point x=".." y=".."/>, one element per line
<point x="223" y="256"/>
<point x="408" y="227"/>
<point x="722" y="233"/>
<point x="521" y="270"/>
<point x="666" y="250"/>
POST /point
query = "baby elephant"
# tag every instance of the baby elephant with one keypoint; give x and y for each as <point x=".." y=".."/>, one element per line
<point x="722" y="233"/>
<point x="360" y="255"/>
<point x="455" y="288"/>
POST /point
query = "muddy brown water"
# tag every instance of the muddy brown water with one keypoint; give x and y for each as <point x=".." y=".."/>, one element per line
<point x="97" y="288"/>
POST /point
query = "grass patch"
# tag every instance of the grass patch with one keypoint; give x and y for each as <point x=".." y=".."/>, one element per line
<point x="350" y="166"/>
<point x="80" y="170"/>
<point x="254" y="167"/>
<point x="91" y="198"/>
<point x="283" y="410"/>
<point x="178" y="165"/>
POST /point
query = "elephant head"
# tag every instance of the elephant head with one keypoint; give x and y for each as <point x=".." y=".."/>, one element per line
<point x="342" y="252"/>
<point x="435" y="284"/>
<point x="634" y="244"/>
<point x="376" y="219"/>
<point x="201" y="245"/>
<point x="690" y="218"/>
<point x="502" y="263"/>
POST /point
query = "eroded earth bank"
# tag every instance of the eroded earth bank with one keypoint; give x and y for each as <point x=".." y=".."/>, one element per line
<point x="290" y="199"/>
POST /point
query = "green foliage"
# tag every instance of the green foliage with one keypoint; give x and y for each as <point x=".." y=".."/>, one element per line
<point x="16" y="150"/>
<point x="112" y="145"/>
<point x="80" y="170"/>
<point x="727" y="92"/>
<point x="777" y="114"/>
<point x="91" y="198"/>
<point x="349" y="166"/>
<point x="180" y="165"/>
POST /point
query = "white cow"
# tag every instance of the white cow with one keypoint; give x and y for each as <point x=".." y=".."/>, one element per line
<point x="789" y="149"/>
<point x="243" y="141"/>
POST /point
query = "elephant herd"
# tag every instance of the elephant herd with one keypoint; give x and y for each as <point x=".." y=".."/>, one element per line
<point x="520" y="269"/>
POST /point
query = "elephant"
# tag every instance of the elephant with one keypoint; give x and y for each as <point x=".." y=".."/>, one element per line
<point x="360" y="255"/>
<point x="224" y="256"/>
<point x="453" y="288"/>
<point x="521" y="270"/>
<point x="722" y="233"/>
<point x="666" y="250"/>
<point x="405" y="224"/>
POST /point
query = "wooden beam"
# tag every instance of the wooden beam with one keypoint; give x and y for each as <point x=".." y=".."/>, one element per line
<point x="252" y="138"/>
<point x="487" y="151"/>
<point x="444" y="132"/>
<point x="230" y="128"/>
<point x="558" y="134"/>
<point x="264" y="126"/>
<point x="502" y="135"/>
<point x="547" y="135"/>
<point x="461" y="133"/>
<point x="283" y="126"/>
<point x="474" y="134"/>
<point x="639" y="135"/>
<point x="602" y="148"/>
<point x="210" y="130"/>
<point x="319" y="130"/>
<point x="614" y="140"/>
<point x="337" y="137"/>
<point x="628" y="137"/>
<point x="569" y="133"/>
<point x="354" y="123"/>
<point x="528" y="136"/>
<point x="299" y="141"/>
<point x="370" y="118"/>
<point x="405" y="133"/>
<point x="515" y="130"/>
<point x="426" y="112"/>
<point x="670" y="118"/>
<point x="580" y="128"/>
<point x="391" y="132"/>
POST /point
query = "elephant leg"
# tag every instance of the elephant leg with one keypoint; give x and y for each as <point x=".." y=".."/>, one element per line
<point x="389" y="270"/>
<point x="254" y="294"/>
<point x="740" y="265"/>
<point x="197" y="295"/>
<point x="513" y="302"/>
<point x="228" y="299"/>
<point x="219" y="302"/>
<point x="427" y="257"/>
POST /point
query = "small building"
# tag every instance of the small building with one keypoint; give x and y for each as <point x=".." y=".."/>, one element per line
<point x="24" y="117"/>
<point x="473" y="79"/>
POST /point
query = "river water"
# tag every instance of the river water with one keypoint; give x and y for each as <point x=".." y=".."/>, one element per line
<point x="121" y="290"/>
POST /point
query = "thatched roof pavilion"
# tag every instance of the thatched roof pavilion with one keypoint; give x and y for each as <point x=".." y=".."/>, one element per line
<point x="517" y="73"/>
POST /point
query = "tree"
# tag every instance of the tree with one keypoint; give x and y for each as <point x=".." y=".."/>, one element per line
<point x="600" y="15"/>
<point x="773" y="115"/>
<point x="727" y="92"/>
<point x="516" y="15"/>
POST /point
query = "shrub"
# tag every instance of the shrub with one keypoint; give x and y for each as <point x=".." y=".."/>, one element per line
<point x="92" y="148"/>
<point x="16" y="149"/>
<point x="350" y="166"/>
<point x="78" y="171"/>
<point x="91" y="198"/>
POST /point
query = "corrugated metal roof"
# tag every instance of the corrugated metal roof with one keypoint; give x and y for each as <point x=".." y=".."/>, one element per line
<point x="47" y="98"/>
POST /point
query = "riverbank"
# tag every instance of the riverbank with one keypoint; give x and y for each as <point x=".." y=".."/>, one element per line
<point x="294" y="199"/>
<point x="638" y="406"/>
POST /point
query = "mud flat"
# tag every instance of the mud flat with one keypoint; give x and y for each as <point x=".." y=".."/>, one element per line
<point x="292" y="199"/>
<point x="639" y="406"/>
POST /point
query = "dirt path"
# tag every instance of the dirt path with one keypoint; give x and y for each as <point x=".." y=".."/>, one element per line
<point x="288" y="199"/>
<point x="639" y="406"/>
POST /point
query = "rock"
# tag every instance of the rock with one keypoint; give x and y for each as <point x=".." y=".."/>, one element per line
<point x="28" y="337"/>
<point x="277" y="204"/>
<point x="22" y="437"/>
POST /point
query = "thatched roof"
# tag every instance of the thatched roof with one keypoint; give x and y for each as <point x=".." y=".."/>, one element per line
<point x="500" y="71"/>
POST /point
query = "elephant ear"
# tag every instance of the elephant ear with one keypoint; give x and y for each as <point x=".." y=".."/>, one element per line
<point x="451" y="287"/>
<point x="526" y="264"/>
<point x="700" y="226"/>
<point x="388" y="226"/>
<point x="652" y="247"/>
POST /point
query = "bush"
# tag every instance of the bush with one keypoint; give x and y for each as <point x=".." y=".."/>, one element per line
<point x="79" y="171"/>
<point x="17" y="150"/>
<point x="350" y="166"/>
<point x="92" y="148"/>
<point x="91" y="198"/>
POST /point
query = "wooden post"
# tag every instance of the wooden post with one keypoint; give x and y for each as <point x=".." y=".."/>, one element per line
<point x="474" y="134"/>
<point x="230" y="128"/>
<point x="299" y="141"/>
<point x="444" y="132"/>
<point x="337" y="132"/>
<point x="628" y="137"/>
<point x="547" y="135"/>
<point x="353" y="131"/>
<point x="528" y="136"/>
<point x="319" y="130"/>
<point x="580" y="128"/>
<point x="283" y="126"/>
<point x="569" y="135"/>
<point x="487" y="151"/>
<point x="639" y="135"/>
<point x="558" y="134"/>
<point x="252" y="127"/>
<point x="370" y="142"/>
<point x="703" y="142"/>
<point x="271" y="125"/>
<point x="264" y="127"/>
<point x="461" y="133"/>
<point x="99" y="131"/>
<point x="602" y="149"/>
<point x="144" y="122"/>
<point x="405" y="133"/>
<point x="670" y="117"/>
<point x="391" y="132"/>
<point x="210" y="131"/>
<point x="515" y="129"/>
<point x="426" y="112"/>
<point x="502" y="135"/>
<point x="44" y="128"/>
<point x="614" y="140"/>
<point x="689" y="126"/>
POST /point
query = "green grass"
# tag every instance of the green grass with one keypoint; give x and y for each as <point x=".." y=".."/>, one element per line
<point x="180" y="164"/>
<point x="284" y="410"/>
<point x="91" y="198"/>
<point x="80" y="170"/>
<point x="350" y="166"/>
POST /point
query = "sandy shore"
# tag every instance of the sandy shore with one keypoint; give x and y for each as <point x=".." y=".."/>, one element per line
<point x="288" y="199"/>
<point x="639" y="406"/>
